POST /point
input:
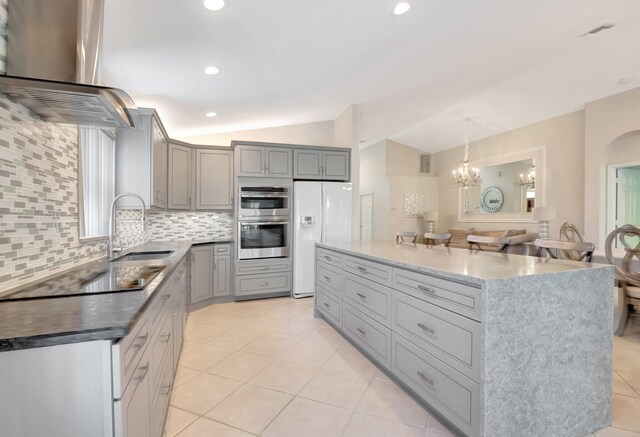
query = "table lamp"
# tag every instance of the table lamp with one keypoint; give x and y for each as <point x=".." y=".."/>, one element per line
<point x="542" y="215"/>
<point x="430" y="217"/>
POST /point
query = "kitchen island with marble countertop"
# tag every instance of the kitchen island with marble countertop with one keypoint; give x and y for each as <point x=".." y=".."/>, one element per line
<point x="496" y="344"/>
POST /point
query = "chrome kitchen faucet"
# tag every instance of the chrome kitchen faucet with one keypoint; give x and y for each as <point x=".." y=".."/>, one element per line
<point x="113" y="219"/>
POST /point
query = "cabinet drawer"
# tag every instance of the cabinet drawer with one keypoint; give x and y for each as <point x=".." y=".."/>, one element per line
<point x="450" y="337"/>
<point x="160" y="398"/>
<point x="126" y="354"/>
<point x="369" y="297"/>
<point x="262" y="284"/>
<point x="451" y="393"/>
<point x="221" y="249"/>
<point x="252" y="267"/>
<point x="333" y="258"/>
<point x="159" y="307"/>
<point x="459" y="298"/>
<point x="162" y="342"/>
<point x="369" y="334"/>
<point x="329" y="278"/>
<point x="376" y="272"/>
<point x="131" y="411"/>
<point x="328" y="305"/>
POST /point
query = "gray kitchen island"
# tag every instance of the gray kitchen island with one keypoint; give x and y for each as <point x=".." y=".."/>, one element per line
<point x="496" y="344"/>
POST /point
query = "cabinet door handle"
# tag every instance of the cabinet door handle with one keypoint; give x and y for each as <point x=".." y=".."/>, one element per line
<point x="327" y="278"/>
<point x="327" y="257"/>
<point x="262" y="284"/>
<point x="166" y="389"/>
<point x="145" y="370"/>
<point x="361" y="331"/>
<point x="326" y="304"/>
<point x="215" y="265"/>
<point x="362" y="269"/>
<point x="362" y="296"/>
<point x="425" y="378"/>
<point x="427" y="289"/>
<point x="165" y="338"/>
<point x="143" y="340"/>
<point x="426" y="328"/>
<point x="166" y="296"/>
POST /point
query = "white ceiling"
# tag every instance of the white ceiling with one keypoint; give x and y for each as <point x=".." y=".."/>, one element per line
<point x="417" y="77"/>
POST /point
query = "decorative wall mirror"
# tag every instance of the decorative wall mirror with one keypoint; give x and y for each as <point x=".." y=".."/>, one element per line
<point x="512" y="185"/>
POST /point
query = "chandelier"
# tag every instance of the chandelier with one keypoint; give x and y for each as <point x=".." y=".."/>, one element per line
<point x="529" y="181"/>
<point x="466" y="176"/>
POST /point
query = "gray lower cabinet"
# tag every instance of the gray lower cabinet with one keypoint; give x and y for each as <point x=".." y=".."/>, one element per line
<point x="132" y="411"/>
<point x="263" y="161"/>
<point x="325" y="164"/>
<point x="201" y="273"/>
<point x="179" y="177"/>
<point x="222" y="270"/>
<point x="263" y="277"/>
<point x="415" y="325"/>
<point x="214" y="179"/>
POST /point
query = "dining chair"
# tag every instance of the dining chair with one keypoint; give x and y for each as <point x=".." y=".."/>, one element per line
<point x="437" y="239"/>
<point x="628" y="280"/>
<point x="400" y="237"/>
<point x="553" y="248"/>
<point x="477" y="240"/>
<point x="570" y="232"/>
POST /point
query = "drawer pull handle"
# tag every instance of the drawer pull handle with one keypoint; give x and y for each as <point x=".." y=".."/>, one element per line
<point x="426" y="328"/>
<point x="327" y="257"/>
<point x="327" y="278"/>
<point x="326" y="304"/>
<point x="262" y="284"/>
<point x="143" y="340"/>
<point x="362" y="269"/>
<point x="427" y="289"/>
<point x="166" y="296"/>
<point x="362" y="296"/>
<point x="425" y="378"/>
<point x="166" y="389"/>
<point x="145" y="370"/>
<point x="263" y="268"/>
<point x="362" y="331"/>
<point x="165" y="338"/>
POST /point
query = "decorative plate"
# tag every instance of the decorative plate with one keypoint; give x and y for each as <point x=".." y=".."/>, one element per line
<point x="491" y="199"/>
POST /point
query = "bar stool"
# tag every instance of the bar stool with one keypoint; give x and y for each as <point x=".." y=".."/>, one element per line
<point x="583" y="250"/>
<point x="437" y="239"/>
<point x="400" y="236"/>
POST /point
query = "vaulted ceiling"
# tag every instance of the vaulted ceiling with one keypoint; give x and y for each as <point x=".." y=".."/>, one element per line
<point x="499" y="63"/>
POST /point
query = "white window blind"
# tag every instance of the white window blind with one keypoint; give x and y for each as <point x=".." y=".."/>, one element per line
<point x="97" y="179"/>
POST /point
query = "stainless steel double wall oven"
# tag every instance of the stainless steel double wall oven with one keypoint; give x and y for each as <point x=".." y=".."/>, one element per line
<point x="263" y="221"/>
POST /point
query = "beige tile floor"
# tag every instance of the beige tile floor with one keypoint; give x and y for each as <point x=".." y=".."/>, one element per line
<point x="268" y="368"/>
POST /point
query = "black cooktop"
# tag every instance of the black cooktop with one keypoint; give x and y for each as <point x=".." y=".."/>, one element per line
<point x="86" y="281"/>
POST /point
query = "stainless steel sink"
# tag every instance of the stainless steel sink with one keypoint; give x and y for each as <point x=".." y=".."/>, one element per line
<point x="142" y="256"/>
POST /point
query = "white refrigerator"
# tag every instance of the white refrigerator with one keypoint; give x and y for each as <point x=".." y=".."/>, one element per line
<point x="321" y="213"/>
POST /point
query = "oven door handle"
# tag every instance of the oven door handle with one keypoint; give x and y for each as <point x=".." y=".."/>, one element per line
<point x="263" y="223"/>
<point x="260" y="195"/>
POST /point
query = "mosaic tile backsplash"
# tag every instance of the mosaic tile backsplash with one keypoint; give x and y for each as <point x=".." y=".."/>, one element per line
<point x="38" y="198"/>
<point x="172" y="226"/>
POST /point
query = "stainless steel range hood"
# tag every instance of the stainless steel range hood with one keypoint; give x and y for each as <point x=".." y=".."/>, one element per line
<point x="53" y="63"/>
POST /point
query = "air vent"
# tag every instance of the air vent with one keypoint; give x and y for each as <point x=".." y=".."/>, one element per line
<point x="425" y="164"/>
<point x="598" y="29"/>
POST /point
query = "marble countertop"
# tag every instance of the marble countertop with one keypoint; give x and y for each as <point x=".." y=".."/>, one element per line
<point x="471" y="266"/>
<point x="70" y="319"/>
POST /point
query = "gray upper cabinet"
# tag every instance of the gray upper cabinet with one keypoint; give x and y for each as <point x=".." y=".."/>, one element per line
<point x="259" y="161"/>
<point x="307" y="164"/>
<point x="321" y="164"/>
<point x="179" y="185"/>
<point x="335" y="165"/>
<point x="141" y="161"/>
<point x="214" y="179"/>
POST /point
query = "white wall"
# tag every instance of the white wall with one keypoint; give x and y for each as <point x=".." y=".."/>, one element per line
<point x="314" y="134"/>
<point x="346" y="134"/>
<point x="564" y="140"/>
<point x="606" y="121"/>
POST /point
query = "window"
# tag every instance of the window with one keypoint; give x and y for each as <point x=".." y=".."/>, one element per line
<point x="96" y="181"/>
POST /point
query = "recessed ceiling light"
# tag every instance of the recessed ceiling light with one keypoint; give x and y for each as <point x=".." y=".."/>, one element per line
<point x="211" y="70"/>
<point x="214" y="5"/>
<point x="210" y="114"/>
<point x="401" y="8"/>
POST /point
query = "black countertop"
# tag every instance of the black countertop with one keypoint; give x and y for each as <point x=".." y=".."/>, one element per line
<point x="70" y="319"/>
